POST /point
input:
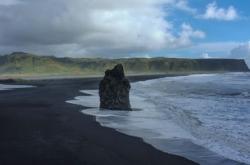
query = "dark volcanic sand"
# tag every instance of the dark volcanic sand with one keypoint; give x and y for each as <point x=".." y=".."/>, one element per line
<point x="39" y="128"/>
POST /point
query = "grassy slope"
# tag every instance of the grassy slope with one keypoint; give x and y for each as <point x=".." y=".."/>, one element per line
<point x="22" y="64"/>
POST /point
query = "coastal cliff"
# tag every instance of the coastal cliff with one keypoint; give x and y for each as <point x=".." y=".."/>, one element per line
<point x="26" y="64"/>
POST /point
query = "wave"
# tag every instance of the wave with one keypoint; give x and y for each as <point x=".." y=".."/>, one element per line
<point x="213" y="108"/>
<point x="210" y="110"/>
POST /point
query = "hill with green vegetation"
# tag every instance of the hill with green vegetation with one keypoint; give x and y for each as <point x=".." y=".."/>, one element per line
<point x="25" y="64"/>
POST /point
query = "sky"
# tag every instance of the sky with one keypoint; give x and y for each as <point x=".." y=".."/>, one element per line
<point x="131" y="28"/>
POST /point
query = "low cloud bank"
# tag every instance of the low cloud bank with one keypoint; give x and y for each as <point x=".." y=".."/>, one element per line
<point x="242" y="51"/>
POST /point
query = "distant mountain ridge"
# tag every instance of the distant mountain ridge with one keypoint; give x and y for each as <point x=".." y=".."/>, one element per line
<point x="19" y="63"/>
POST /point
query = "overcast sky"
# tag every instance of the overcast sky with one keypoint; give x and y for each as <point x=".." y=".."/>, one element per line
<point x="118" y="28"/>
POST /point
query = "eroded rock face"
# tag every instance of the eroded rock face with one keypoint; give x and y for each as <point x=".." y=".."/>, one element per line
<point x="114" y="90"/>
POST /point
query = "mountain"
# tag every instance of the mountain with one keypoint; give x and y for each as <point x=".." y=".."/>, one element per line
<point x="25" y="64"/>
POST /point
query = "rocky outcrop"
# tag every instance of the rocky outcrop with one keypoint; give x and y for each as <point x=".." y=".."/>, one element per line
<point x="114" y="90"/>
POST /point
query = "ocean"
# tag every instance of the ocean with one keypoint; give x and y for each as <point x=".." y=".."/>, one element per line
<point x="204" y="117"/>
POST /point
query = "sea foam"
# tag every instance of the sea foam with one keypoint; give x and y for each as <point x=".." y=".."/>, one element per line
<point x="210" y="110"/>
<point x="10" y="87"/>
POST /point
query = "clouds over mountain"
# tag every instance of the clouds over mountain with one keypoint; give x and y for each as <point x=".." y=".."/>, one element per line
<point x="79" y="27"/>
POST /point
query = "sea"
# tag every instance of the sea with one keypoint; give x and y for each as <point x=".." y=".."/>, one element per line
<point x="203" y="117"/>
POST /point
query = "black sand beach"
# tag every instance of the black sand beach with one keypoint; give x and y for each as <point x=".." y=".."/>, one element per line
<point x="38" y="127"/>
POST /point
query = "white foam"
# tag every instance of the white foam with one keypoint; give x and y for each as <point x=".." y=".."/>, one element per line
<point x="218" y="122"/>
<point x="199" y="108"/>
<point x="10" y="87"/>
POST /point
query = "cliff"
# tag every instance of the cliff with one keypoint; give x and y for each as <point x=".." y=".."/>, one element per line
<point x="28" y="65"/>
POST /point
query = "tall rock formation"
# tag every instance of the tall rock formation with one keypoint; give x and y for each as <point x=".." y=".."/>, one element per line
<point x="114" y="90"/>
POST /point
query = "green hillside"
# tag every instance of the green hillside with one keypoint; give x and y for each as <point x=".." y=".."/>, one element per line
<point x="24" y="64"/>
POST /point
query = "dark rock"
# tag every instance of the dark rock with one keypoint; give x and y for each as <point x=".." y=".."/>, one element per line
<point x="114" y="90"/>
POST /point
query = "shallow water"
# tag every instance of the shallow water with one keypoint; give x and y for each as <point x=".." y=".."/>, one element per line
<point x="203" y="117"/>
<point x="10" y="87"/>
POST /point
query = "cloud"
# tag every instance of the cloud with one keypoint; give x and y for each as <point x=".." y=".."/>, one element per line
<point x="213" y="49"/>
<point x="214" y="12"/>
<point x="83" y="27"/>
<point x="8" y="2"/>
<point x="186" y="35"/>
<point x="242" y="51"/>
<point x="223" y="47"/>
<point x="205" y="55"/>
<point x="183" y="5"/>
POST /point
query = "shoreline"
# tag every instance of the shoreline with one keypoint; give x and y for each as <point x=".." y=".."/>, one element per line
<point x="60" y="77"/>
<point x="179" y="146"/>
<point x="39" y="127"/>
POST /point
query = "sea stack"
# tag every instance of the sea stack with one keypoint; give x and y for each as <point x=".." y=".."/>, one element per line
<point x="114" y="90"/>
